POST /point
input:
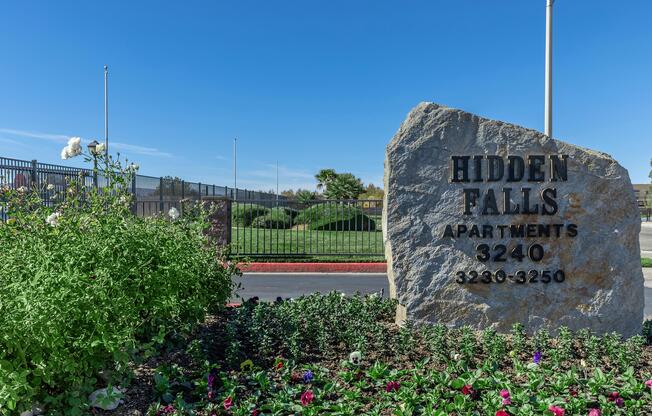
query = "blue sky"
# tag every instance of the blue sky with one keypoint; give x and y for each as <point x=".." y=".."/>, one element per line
<point x="313" y="84"/>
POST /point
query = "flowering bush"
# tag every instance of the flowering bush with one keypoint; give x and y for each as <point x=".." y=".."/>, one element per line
<point x="86" y="284"/>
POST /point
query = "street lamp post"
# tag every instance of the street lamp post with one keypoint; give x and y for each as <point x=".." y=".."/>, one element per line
<point x="92" y="149"/>
<point x="106" y="114"/>
<point x="548" y="82"/>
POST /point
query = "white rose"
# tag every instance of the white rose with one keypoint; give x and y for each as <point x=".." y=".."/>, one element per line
<point x="173" y="213"/>
<point x="50" y="187"/>
<point x="355" y="357"/>
<point x="72" y="149"/>
<point x="53" y="219"/>
<point x="100" y="148"/>
<point x="22" y="189"/>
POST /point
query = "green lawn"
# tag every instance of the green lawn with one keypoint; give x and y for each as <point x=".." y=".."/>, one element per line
<point x="311" y="244"/>
<point x="645" y="262"/>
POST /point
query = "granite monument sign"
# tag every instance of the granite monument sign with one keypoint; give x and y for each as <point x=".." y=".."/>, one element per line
<point x="488" y="224"/>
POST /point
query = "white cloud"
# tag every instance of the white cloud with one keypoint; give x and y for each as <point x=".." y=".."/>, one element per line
<point x="140" y="150"/>
<point x="62" y="138"/>
<point x="59" y="138"/>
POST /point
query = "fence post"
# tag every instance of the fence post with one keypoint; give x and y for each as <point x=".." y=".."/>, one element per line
<point x="134" y="201"/>
<point x="34" y="175"/>
<point x="160" y="194"/>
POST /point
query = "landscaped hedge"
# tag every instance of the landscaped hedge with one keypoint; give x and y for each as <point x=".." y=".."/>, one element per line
<point x="276" y="218"/>
<point x="83" y="287"/>
<point x="335" y="217"/>
<point x="243" y="213"/>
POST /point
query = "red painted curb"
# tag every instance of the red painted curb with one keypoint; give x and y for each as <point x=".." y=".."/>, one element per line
<point x="315" y="267"/>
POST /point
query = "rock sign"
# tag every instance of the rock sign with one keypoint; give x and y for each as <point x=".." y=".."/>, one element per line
<point x="488" y="224"/>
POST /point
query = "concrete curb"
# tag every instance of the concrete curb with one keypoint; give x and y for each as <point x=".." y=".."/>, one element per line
<point x="315" y="267"/>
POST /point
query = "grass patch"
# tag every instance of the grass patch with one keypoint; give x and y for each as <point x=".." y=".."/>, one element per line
<point x="352" y="245"/>
<point x="646" y="262"/>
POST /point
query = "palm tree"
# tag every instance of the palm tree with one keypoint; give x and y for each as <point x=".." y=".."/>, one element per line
<point x="324" y="177"/>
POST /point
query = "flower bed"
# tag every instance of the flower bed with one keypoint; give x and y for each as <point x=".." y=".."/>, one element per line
<point x="343" y="356"/>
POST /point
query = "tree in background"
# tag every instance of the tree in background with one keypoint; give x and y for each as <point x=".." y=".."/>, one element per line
<point x="172" y="188"/>
<point x="324" y="177"/>
<point x="344" y="186"/>
<point x="372" y="192"/>
<point x="304" y="196"/>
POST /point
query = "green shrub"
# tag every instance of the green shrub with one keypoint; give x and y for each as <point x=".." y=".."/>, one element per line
<point x="243" y="214"/>
<point x="86" y="287"/>
<point x="335" y="217"/>
<point x="276" y="218"/>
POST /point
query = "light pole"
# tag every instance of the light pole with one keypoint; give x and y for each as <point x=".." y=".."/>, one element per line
<point x="92" y="149"/>
<point x="277" y="181"/>
<point x="106" y="114"/>
<point x="548" y="82"/>
<point x="235" y="167"/>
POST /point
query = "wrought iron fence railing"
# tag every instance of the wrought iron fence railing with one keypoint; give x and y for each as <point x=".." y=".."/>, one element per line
<point x="350" y="228"/>
<point x="262" y="224"/>
<point x="152" y="194"/>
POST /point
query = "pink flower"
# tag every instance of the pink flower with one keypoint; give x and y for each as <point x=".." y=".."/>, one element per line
<point x="307" y="397"/>
<point x="557" y="411"/>
<point x="502" y="413"/>
<point x="467" y="389"/>
<point x="507" y="401"/>
<point x="648" y="384"/>
<point x="228" y="402"/>
<point x="392" y="386"/>
<point x="504" y="394"/>
<point x="595" y="412"/>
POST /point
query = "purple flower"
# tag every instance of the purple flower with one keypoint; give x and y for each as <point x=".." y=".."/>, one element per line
<point x="537" y="357"/>
<point x="308" y="376"/>
<point x="620" y="402"/>
<point x="212" y="378"/>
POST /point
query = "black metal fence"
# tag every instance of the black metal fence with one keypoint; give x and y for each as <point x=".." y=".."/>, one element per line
<point x="152" y="194"/>
<point x="349" y="228"/>
<point x="263" y="224"/>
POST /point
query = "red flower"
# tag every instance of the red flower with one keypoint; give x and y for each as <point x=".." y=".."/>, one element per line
<point x="392" y="386"/>
<point x="255" y="412"/>
<point x="557" y="411"/>
<point x="572" y="392"/>
<point x="279" y="364"/>
<point x="613" y="396"/>
<point x="228" y="402"/>
<point x="502" y="413"/>
<point x="307" y="397"/>
<point x="467" y="389"/>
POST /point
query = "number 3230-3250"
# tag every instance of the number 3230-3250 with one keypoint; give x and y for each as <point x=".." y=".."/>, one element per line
<point x="520" y="277"/>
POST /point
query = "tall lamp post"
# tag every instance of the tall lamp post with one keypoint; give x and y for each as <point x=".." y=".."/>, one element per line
<point x="106" y="114"/>
<point x="235" y="167"/>
<point x="92" y="149"/>
<point x="548" y="82"/>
